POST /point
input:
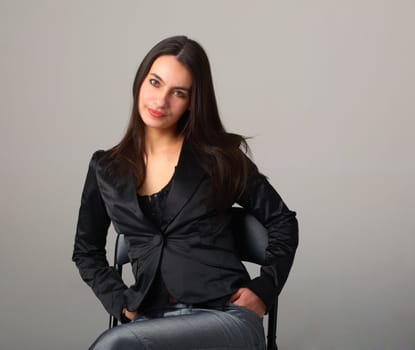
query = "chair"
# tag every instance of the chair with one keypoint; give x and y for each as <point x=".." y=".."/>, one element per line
<point x="251" y="244"/>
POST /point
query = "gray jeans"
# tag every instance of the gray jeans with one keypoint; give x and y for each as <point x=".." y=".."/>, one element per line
<point x="182" y="327"/>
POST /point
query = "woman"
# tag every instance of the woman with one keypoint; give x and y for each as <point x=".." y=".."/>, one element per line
<point x="168" y="186"/>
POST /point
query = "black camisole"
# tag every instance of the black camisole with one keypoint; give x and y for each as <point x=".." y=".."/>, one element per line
<point x="153" y="208"/>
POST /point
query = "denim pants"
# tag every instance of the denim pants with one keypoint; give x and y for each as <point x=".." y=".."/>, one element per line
<point x="182" y="327"/>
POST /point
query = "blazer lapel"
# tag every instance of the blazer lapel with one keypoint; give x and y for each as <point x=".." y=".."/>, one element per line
<point x="120" y="196"/>
<point x="187" y="177"/>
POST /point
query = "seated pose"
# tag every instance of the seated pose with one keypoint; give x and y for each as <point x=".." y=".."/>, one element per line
<point x="169" y="186"/>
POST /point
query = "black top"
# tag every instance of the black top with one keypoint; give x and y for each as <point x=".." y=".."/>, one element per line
<point x="153" y="207"/>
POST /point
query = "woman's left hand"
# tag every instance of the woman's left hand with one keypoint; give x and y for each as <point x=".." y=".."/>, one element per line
<point x="247" y="298"/>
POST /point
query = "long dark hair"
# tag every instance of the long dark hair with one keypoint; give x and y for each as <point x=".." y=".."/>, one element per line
<point x="221" y="154"/>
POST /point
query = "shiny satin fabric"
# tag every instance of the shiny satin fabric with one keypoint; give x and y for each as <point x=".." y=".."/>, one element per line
<point x="194" y="248"/>
<point x="182" y="327"/>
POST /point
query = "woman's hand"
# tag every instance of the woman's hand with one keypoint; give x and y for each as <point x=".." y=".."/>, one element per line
<point x="247" y="298"/>
<point x="131" y="315"/>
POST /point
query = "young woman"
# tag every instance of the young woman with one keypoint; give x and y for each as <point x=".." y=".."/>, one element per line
<point x="168" y="186"/>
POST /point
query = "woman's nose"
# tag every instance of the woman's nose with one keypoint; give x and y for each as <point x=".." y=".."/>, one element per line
<point x="161" y="98"/>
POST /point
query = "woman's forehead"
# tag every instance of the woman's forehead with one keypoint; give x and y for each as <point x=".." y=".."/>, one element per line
<point x="171" y="72"/>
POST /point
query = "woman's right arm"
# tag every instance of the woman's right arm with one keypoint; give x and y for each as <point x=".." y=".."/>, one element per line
<point x="89" y="249"/>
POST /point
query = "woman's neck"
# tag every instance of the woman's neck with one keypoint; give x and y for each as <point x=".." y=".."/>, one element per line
<point x="159" y="141"/>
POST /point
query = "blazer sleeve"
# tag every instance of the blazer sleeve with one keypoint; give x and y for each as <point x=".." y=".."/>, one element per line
<point x="89" y="252"/>
<point x="263" y="201"/>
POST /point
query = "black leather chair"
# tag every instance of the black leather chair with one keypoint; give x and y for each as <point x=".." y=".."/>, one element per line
<point x="251" y="243"/>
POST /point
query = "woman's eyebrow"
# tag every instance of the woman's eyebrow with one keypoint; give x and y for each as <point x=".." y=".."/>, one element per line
<point x="175" y="87"/>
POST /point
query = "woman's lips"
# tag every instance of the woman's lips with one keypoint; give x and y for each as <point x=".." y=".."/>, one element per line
<point x="154" y="113"/>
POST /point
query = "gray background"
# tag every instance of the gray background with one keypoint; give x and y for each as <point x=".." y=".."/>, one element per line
<point x="326" y="88"/>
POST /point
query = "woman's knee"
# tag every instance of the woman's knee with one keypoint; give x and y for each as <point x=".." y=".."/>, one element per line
<point x="118" y="338"/>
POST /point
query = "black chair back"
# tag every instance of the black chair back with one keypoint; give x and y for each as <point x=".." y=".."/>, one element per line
<point x="252" y="241"/>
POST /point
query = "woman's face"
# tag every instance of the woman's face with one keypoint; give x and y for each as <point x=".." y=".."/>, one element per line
<point x="164" y="94"/>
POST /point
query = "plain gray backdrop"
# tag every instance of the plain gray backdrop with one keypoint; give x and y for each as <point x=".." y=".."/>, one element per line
<point x="326" y="89"/>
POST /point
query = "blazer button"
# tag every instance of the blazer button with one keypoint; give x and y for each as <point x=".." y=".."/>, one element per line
<point x="158" y="239"/>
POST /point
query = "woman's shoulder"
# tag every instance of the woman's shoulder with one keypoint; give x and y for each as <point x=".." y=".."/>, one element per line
<point x="100" y="159"/>
<point x="107" y="167"/>
<point x="102" y="155"/>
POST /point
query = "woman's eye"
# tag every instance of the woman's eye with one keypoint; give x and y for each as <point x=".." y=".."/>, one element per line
<point x="180" y="94"/>
<point x="154" y="82"/>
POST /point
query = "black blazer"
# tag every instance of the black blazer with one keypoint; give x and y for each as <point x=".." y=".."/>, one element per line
<point x="194" y="248"/>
